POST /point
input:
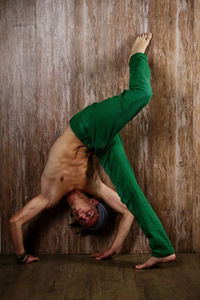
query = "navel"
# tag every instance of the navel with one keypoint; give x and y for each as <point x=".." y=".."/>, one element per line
<point x="61" y="178"/>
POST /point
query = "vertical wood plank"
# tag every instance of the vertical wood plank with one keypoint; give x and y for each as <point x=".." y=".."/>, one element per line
<point x="18" y="107"/>
<point x="196" y="134"/>
<point x="59" y="56"/>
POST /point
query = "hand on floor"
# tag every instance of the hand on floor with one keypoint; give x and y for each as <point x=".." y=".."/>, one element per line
<point x="104" y="254"/>
<point x="32" y="259"/>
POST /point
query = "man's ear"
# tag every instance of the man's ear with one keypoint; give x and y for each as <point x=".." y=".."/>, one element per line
<point x="94" y="201"/>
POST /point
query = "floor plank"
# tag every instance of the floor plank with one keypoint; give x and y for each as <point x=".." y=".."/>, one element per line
<point x="81" y="277"/>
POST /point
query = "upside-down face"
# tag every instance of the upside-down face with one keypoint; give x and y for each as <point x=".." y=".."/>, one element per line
<point x="83" y="208"/>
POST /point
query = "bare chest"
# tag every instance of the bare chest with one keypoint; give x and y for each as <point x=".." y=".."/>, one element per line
<point x="59" y="178"/>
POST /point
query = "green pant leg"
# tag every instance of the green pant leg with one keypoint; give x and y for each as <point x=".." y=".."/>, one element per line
<point x="112" y="114"/>
<point x="98" y="123"/>
<point x="117" y="166"/>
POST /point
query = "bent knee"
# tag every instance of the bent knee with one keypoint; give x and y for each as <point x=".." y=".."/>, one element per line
<point x="143" y="95"/>
<point x="146" y="96"/>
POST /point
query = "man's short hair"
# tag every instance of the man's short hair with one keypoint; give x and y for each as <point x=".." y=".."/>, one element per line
<point x="103" y="218"/>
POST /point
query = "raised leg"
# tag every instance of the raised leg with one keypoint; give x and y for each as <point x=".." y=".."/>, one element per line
<point x="112" y="114"/>
<point x="98" y="123"/>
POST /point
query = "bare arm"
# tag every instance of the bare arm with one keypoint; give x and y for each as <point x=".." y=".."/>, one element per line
<point x="29" y="211"/>
<point x="113" y="200"/>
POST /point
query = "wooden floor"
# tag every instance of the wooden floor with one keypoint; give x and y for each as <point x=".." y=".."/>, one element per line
<point x="81" y="277"/>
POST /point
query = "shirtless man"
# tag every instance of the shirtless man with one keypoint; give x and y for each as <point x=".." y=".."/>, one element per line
<point x="65" y="173"/>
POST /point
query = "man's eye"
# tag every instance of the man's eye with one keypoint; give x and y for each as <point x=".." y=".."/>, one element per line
<point x="89" y="214"/>
<point x="75" y="212"/>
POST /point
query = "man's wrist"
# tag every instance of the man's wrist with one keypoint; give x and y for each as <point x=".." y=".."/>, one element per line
<point x="115" y="249"/>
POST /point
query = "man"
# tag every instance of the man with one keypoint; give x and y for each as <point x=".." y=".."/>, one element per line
<point x="95" y="130"/>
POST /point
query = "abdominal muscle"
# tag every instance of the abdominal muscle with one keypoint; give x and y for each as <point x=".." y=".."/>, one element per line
<point x="66" y="167"/>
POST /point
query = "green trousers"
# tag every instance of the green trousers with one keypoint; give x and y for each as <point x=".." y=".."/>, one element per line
<point x="98" y="126"/>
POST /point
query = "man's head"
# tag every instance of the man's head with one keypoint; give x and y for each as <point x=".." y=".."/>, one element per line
<point x="88" y="212"/>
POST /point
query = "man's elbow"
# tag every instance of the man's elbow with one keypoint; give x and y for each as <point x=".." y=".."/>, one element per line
<point x="14" y="222"/>
<point x="128" y="214"/>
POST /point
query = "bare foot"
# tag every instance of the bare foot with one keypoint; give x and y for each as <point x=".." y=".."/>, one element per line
<point x="155" y="260"/>
<point x="141" y="43"/>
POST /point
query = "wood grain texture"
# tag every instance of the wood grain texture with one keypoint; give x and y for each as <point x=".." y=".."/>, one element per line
<point x="82" y="277"/>
<point x="59" y="56"/>
<point x="196" y="133"/>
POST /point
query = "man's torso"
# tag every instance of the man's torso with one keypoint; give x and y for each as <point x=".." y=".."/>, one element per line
<point x="66" y="167"/>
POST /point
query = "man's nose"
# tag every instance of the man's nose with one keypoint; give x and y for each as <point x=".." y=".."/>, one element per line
<point x="82" y="214"/>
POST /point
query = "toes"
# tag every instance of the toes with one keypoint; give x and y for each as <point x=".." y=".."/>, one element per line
<point x="144" y="266"/>
<point x="146" y="36"/>
<point x="139" y="267"/>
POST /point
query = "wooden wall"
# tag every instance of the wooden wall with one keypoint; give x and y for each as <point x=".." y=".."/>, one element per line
<point x="57" y="56"/>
